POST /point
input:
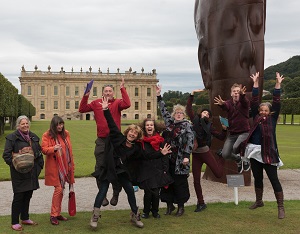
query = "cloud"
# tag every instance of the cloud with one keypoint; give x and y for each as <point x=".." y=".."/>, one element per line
<point x="115" y="34"/>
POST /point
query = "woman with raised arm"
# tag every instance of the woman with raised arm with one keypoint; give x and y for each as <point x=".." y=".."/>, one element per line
<point x="261" y="145"/>
<point x="204" y="131"/>
<point x="179" y="134"/>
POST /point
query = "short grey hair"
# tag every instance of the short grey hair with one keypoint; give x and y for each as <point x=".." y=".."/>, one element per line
<point x="20" y="118"/>
<point x="178" y="107"/>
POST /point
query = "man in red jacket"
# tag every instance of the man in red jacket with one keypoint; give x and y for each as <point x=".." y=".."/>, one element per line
<point x="115" y="106"/>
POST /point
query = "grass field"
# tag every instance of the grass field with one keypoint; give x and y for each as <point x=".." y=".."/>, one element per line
<point x="225" y="218"/>
<point x="83" y="135"/>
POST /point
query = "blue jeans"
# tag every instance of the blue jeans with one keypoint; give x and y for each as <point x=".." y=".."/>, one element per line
<point x="128" y="188"/>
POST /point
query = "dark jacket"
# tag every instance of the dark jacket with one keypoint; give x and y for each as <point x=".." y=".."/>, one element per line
<point x="22" y="182"/>
<point x="203" y="129"/>
<point x="267" y="128"/>
<point x="238" y="115"/>
<point x="153" y="169"/>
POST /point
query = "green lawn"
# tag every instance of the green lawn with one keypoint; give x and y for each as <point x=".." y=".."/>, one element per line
<point x="83" y="135"/>
<point x="225" y="218"/>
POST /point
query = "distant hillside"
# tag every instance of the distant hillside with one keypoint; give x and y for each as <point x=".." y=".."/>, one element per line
<point x="289" y="68"/>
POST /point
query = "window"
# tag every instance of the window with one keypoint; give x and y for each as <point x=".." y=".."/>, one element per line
<point x="55" y="106"/>
<point x="67" y="104"/>
<point x="29" y="90"/>
<point x="94" y="91"/>
<point x="76" y="104"/>
<point x="42" y="116"/>
<point x="149" y="116"/>
<point x="136" y="105"/>
<point x="42" y="105"/>
<point x="136" y="92"/>
<point x="43" y="90"/>
<point x="67" y="91"/>
<point x="149" y="92"/>
<point x="76" y="91"/>
<point x="148" y="105"/>
<point x="136" y="116"/>
<point x="55" y="90"/>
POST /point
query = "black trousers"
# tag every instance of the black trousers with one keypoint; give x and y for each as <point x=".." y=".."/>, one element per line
<point x="151" y="200"/>
<point x="20" y="206"/>
<point x="257" y="170"/>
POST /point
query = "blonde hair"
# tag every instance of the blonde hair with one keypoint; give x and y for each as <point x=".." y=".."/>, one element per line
<point x="235" y="85"/>
<point x="178" y="107"/>
<point x="136" y="128"/>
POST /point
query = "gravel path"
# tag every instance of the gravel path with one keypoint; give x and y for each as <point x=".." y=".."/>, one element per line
<point x="86" y="191"/>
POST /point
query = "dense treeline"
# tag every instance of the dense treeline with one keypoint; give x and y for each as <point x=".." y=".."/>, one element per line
<point x="12" y="104"/>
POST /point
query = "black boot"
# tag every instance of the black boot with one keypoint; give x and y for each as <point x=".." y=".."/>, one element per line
<point x="180" y="210"/>
<point x="170" y="208"/>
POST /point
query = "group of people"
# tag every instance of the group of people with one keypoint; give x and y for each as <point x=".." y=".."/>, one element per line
<point x="153" y="156"/>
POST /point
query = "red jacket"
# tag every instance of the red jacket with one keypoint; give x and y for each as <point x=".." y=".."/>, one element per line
<point x="51" y="168"/>
<point x="115" y="107"/>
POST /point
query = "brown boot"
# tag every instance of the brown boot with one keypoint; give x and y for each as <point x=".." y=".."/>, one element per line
<point x="105" y="202"/>
<point x="180" y="210"/>
<point x="258" y="202"/>
<point x="136" y="219"/>
<point x="95" y="216"/>
<point x="279" y="198"/>
<point x="170" y="208"/>
<point x="115" y="198"/>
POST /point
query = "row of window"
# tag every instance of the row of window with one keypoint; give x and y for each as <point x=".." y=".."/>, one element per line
<point x="95" y="91"/>
<point x="67" y="106"/>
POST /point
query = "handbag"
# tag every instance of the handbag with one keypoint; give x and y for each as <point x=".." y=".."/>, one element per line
<point x="23" y="161"/>
<point x="72" y="202"/>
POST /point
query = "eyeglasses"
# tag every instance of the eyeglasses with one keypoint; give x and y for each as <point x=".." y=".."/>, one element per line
<point x="179" y="113"/>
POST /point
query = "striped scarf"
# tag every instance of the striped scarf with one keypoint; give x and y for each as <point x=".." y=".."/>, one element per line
<point x="63" y="172"/>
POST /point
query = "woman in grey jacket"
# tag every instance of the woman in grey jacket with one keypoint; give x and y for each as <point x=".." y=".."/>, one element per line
<point x="180" y="136"/>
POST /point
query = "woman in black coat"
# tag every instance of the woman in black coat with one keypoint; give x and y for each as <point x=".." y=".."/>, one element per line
<point x="121" y="153"/>
<point x="154" y="169"/>
<point x="23" y="184"/>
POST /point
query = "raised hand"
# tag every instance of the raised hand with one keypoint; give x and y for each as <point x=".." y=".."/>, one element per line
<point x="279" y="79"/>
<point x="104" y="103"/>
<point x="196" y="91"/>
<point x="243" y="90"/>
<point x="158" y="90"/>
<point x="218" y="101"/>
<point x="255" y="78"/>
<point x="122" y="83"/>
<point x="166" y="149"/>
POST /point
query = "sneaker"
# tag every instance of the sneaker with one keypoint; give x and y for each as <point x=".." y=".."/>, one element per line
<point x="200" y="207"/>
<point x="156" y="215"/>
<point x="240" y="166"/>
<point x="54" y="220"/>
<point x="246" y="166"/>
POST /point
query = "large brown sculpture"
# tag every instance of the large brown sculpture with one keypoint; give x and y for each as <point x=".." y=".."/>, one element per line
<point x="231" y="48"/>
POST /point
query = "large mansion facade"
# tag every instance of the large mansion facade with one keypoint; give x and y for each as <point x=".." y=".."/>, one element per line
<point x="60" y="93"/>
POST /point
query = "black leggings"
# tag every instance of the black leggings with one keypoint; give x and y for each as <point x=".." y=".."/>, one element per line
<point x="257" y="170"/>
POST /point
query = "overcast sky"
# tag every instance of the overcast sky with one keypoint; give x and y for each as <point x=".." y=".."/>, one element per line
<point x="115" y="34"/>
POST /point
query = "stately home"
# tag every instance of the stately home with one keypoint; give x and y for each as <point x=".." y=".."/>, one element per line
<point x="60" y="93"/>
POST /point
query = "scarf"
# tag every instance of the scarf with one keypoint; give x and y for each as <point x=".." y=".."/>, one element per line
<point x="25" y="135"/>
<point x="63" y="172"/>
<point x="155" y="141"/>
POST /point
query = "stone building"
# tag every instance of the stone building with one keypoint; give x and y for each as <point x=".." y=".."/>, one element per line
<point x="60" y="93"/>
